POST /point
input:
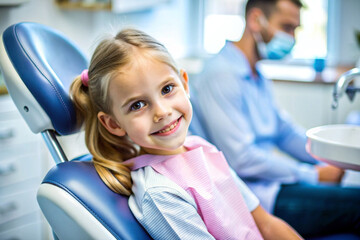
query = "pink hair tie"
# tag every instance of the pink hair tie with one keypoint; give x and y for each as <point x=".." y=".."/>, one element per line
<point x="85" y="77"/>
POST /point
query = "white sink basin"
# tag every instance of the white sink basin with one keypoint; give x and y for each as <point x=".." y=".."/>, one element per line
<point x="338" y="145"/>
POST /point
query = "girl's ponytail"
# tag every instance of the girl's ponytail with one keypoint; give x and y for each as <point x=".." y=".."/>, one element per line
<point x="80" y="98"/>
<point x="108" y="151"/>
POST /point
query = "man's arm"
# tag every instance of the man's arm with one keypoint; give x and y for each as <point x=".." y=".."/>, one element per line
<point x="272" y="227"/>
<point x="292" y="140"/>
<point x="229" y="127"/>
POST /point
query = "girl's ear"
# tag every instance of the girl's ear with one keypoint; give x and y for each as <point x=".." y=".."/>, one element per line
<point x="110" y="124"/>
<point x="185" y="80"/>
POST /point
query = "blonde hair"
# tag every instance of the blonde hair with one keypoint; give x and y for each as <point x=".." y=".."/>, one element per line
<point x="108" y="150"/>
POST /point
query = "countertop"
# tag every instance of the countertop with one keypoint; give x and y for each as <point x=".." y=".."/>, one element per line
<point x="296" y="71"/>
<point x="302" y="73"/>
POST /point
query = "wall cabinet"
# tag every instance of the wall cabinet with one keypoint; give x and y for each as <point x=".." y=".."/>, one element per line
<point x="24" y="161"/>
<point x="22" y="167"/>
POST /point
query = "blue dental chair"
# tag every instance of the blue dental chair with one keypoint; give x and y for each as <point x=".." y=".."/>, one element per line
<point x="39" y="64"/>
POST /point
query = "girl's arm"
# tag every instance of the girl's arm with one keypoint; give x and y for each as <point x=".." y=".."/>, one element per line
<point x="272" y="227"/>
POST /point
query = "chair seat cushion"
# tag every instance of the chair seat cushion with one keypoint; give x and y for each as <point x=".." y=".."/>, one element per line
<point x="80" y="179"/>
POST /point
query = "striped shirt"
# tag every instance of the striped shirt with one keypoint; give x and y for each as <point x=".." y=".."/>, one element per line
<point x="167" y="211"/>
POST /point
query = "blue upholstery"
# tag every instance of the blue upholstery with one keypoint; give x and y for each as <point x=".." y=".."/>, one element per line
<point x="81" y="181"/>
<point x="47" y="62"/>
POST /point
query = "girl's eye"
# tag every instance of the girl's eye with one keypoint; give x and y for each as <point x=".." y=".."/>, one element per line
<point x="167" y="89"/>
<point x="137" y="105"/>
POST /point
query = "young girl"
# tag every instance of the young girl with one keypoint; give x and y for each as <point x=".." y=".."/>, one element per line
<point x="136" y="109"/>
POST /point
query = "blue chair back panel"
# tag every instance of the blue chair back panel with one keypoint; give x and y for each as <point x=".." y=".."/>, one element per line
<point x="47" y="62"/>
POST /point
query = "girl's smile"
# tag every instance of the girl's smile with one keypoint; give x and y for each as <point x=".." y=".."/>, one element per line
<point x="169" y="129"/>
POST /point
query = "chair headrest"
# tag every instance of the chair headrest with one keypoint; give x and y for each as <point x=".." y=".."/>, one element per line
<point x="46" y="62"/>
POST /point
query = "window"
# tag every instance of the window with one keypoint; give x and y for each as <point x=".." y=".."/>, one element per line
<point x="224" y="20"/>
<point x="311" y="38"/>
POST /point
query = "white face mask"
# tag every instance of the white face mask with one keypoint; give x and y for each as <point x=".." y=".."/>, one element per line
<point x="279" y="46"/>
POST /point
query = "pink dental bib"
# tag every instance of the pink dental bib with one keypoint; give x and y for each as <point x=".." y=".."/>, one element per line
<point x="203" y="173"/>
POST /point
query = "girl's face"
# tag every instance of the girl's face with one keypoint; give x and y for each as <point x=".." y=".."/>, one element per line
<point x="151" y="105"/>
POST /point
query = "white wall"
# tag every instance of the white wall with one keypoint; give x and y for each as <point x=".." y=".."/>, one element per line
<point x="344" y="19"/>
<point x="168" y="22"/>
<point x="309" y="104"/>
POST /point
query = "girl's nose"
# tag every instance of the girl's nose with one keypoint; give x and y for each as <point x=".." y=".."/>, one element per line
<point x="161" y="111"/>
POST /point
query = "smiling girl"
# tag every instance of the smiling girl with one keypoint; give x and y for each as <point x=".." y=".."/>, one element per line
<point x="135" y="105"/>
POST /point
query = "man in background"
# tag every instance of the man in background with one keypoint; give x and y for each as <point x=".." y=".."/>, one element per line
<point x="234" y="109"/>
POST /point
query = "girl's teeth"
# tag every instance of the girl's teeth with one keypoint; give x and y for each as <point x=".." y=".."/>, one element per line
<point x="169" y="128"/>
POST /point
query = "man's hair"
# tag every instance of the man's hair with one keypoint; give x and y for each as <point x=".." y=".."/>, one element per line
<point x="267" y="6"/>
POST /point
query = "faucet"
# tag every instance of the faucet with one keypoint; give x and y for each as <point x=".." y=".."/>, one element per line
<point x="342" y="87"/>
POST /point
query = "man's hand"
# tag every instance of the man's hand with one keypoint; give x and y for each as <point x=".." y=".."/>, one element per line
<point x="273" y="228"/>
<point x="330" y="174"/>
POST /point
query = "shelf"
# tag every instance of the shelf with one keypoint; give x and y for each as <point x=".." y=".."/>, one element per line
<point x="126" y="6"/>
<point x="3" y="90"/>
<point x="95" y="6"/>
<point x="116" y="6"/>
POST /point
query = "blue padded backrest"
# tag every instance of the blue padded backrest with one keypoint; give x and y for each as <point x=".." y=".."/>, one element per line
<point x="109" y="208"/>
<point x="47" y="62"/>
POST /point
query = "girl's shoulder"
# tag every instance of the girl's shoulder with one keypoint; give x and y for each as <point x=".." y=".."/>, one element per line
<point x="146" y="181"/>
